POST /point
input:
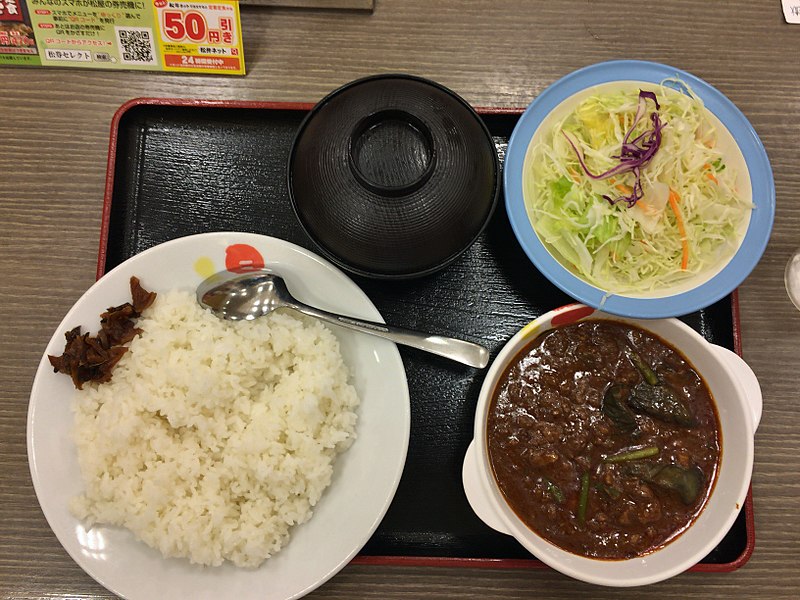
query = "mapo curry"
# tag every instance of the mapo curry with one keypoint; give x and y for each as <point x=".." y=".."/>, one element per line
<point x="603" y="439"/>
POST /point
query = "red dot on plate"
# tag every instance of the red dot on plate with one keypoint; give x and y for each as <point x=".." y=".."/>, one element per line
<point x="242" y="256"/>
<point x="570" y="314"/>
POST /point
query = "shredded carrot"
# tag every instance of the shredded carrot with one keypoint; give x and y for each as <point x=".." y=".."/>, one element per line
<point x="674" y="198"/>
<point x="710" y="174"/>
<point x="574" y="174"/>
<point x="624" y="188"/>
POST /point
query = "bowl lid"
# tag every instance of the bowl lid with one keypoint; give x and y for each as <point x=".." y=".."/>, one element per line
<point x="393" y="176"/>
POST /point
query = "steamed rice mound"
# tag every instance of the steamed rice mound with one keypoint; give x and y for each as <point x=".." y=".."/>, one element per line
<point x="213" y="439"/>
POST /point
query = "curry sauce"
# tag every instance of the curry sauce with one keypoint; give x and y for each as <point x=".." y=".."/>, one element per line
<point x="603" y="439"/>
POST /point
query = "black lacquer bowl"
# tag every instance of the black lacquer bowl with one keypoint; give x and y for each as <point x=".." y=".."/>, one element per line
<point x="393" y="176"/>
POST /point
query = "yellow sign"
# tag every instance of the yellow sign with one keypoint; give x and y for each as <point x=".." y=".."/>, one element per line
<point x="200" y="37"/>
<point x="196" y="36"/>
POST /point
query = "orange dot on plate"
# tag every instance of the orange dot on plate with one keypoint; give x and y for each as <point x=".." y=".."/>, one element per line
<point x="242" y="256"/>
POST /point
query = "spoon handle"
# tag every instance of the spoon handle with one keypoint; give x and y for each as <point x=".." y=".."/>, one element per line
<point x="458" y="350"/>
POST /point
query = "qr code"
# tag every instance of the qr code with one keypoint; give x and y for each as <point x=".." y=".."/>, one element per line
<point x="136" y="45"/>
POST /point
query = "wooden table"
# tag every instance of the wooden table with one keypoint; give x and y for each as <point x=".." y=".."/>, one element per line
<point x="54" y="127"/>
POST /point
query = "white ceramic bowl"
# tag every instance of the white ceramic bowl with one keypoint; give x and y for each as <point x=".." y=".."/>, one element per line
<point x="738" y="400"/>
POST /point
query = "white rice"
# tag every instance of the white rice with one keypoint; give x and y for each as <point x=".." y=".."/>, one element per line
<point x="213" y="439"/>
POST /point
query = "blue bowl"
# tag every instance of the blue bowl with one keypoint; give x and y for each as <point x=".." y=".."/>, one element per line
<point x="685" y="301"/>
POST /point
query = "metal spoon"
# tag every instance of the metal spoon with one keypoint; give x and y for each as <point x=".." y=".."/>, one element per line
<point x="249" y="295"/>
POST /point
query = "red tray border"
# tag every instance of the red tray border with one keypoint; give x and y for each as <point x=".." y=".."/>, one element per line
<point x="415" y="561"/>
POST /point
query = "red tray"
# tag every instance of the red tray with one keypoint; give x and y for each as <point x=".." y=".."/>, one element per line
<point x="178" y="167"/>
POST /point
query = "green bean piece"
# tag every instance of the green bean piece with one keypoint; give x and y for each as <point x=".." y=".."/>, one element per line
<point x="637" y="454"/>
<point x="554" y="491"/>
<point x="583" y="501"/>
<point x="643" y="368"/>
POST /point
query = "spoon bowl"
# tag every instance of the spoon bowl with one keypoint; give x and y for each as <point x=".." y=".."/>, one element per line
<point x="247" y="295"/>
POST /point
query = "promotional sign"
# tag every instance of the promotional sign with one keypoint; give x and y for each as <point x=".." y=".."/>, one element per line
<point x="196" y="36"/>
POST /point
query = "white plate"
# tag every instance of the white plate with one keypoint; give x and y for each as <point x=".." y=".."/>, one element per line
<point x="365" y="476"/>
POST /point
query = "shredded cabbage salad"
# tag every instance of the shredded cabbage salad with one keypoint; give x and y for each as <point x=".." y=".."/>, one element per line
<point x="689" y="218"/>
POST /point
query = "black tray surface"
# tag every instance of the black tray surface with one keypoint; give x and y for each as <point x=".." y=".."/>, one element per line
<point x="180" y="170"/>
